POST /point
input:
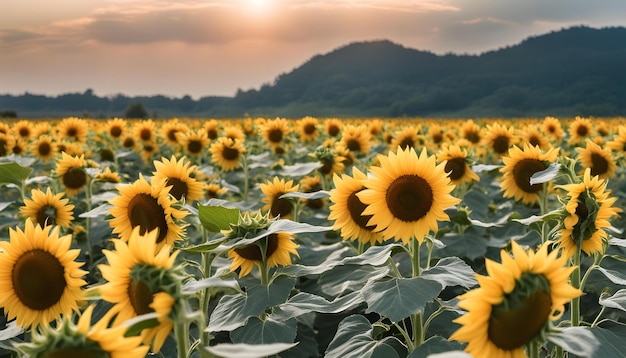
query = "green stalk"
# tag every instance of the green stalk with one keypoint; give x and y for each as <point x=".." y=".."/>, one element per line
<point x="575" y="303"/>
<point x="244" y="165"/>
<point x="181" y="332"/>
<point x="533" y="349"/>
<point x="416" y="319"/>
<point x="88" y="191"/>
<point x="263" y="266"/>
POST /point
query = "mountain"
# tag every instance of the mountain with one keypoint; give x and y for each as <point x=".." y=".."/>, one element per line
<point x="574" y="71"/>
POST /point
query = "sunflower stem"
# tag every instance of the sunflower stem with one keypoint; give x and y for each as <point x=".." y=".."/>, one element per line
<point x="263" y="265"/>
<point x="207" y="261"/>
<point x="416" y="319"/>
<point x="181" y="332"/>
<point x="533" y="349"/>
<point x="575" y="303"/>
<point x="88" y="191"/>
<point x="406" y="336"/>
<point x="244" y="165"/>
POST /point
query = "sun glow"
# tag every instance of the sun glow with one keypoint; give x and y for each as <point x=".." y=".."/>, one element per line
<point x="258" y="6"/>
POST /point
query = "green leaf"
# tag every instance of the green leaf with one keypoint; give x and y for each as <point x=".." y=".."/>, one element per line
<point x="242" y="350"/>
<point x="217" y="218"/>
<point x="615" y="276"/>
<point x="267" y="331"/>
<point x="375" y="256"/>
<point x="313" y="195"/>
<point x="354" y="339"/>
<point x="205" y="247"/>
<point x="297" y="170"/>
<point x="618" y="300"/>
<point x="592" y="342"/>
<point x="13" y="173"/>
<point x="194" y="286"/>
<point x="434" y="345"/>
<point x="99" y="211"/>
<point x="233" y="311"/>
<point x="11" y="330"/>
<point x="451" y="271"/>
<point x="137" y="324"/>
<point x="348" y="278"/>
<point x="399" y="298"/>
<point x="304" y="302"/>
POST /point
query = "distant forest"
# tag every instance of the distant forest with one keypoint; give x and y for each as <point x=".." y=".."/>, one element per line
<point x="574" y="71"/>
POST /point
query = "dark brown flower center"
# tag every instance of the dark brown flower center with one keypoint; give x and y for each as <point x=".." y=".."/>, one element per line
<point x="44" y="149"/>
<point x="511" y="328"/>
<point x="599" y="164"/>
<point x="75" y="178"/>
<point x="353" y="145"/>
<point x="24" y="132"/>
<point x="534" y="141"/>
<point x="179" y="188"/>
<point x="310" y="128"/>
<point x="472" y="136"/>
<point x="146" y="212"/>
<point x="230" y="153"/>
<point x="252" y="252"/>
<point x="72" y="132"/>
<point x="38" y="279"/>
<point x="281" y="206"/>
<point x="145" y="134"/>
<point x="356" y="207"/>
<point x="194" y="146"/>
<point x="409" y="198"/>
<point x="551" y="129"/>
<point x="211" y="133"/>
<point x="333" y="130"/>
<point x="407" y="142"/>
<point x="437" y="137"/>
<point x="582" y="130"/>
<point x="501" y="144"/>
<point x="275" y="135"/>
<point x="129" y="142"/>
<point x="46" y="215"/>
<point x="522" y="172"/>
<point x="327" y="166"/>
<point x="171" y="135"/>
<point x="115" y="131"/>
<point x="107" y="155"/>
<point x="140" y="297"/>
<point x="456" y="168"/>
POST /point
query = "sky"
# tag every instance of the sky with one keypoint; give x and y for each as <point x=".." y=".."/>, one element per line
<point x="215" y="47"/>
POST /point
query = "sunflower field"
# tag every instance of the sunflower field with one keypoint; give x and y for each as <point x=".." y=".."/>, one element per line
<point x="311" y="237"/>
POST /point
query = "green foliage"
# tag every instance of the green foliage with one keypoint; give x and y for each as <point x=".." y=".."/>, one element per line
<point x="136" y="110"/>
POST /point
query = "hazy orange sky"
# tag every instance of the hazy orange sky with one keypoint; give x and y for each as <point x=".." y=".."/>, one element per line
<point x="201" y="47"/>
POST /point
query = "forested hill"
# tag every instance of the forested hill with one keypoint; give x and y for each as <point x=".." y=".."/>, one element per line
<point x="576" y="71"/>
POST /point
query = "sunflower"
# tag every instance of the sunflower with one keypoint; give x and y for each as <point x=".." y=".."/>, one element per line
<point x="71" y="171"/>
<point x="599" y="160"/>
<point x="552" y="127"/>
<point x="235" y="133"/>
<point x="128" y="142"/>
<point x="141" y="278"/>
<point x="147" y="206"/>
<point x="278" y="249"/>
<point x="43" y="148"/>
<point x="274" y="132"/>
<point x="307" y="129"/>
<point x="347" y="209"/>
<point x="227" y="153"/>
<point x="499" y="139"/>
<point x="515" y="302"/>
<point x="23" y="129"/>
<point x="71" y="148"/>
<point x="436" y="134"/>
<point x="5" y="128"/>
<point x="407" y="195"/>
<point x="471" y="131"/>
<point x="618" y="143"/>
<point x="457" y="164"/>
<point x="356" y="139"/>
<point x="212" y="129"/>
<point x="19" y="146"/>
<point x="194" y="142"/>
<point x="375" y="127"/>
<point x="148" y="149"/>
<point x="580" y="130"/>
<point x="39" y="279"/>
<point x="170" y="129"/>
<point x="6" y="144"/>
<point x="276" y="205"/>
<point x="311" y="184"/>
<point x="214" y="190"/>
<point x="333" y="126"/>
<point x="519" y="166"/>
<point x="534" y="137"/>
<point x="180" y="176"/>
<point x="144" y="130"/>
<point x="72" y="129"/>
<point x="587" y="214"/>
<point x="48" y="209"/>
<point x="407" y="137"/>
<point x="81" y="339"/>
<point x="116" y="128"/>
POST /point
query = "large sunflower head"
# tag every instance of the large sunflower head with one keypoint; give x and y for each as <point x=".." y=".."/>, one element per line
<point x="519" y="166"/>
<point x="147" y="206"/>
<point x="234" y="132"/>
<point x="471" y="131"/>
<point x="144" y="130"/>
<point x="214" y="191"/>
<point x="356" y="139"/>
<point x="457" y="164"/>
<point x="170" y="129"/>
<point x="43" y="148"/>
<point x="212" y="129"/>
<point x="82" y="339"/>
<point x="407" y="195"/>
<point x="194" y="143"/>
<point x="142" y="278"/>
<point x="6" y="144"/>
<point x="618" y="143"/>
<point x="72" y="129"/>
<point x="331" y="162"/>
<point x="580" y="130"/>
<point x="533" y="136"/>
<point x="333" y="127"/>
<point x="71" y="171"/>
<point x="552" y="127"/>
<point x="499" y="139"/>
<point x="599" y="160"/>
<point x="407" y="137"/>
<point x="586" y="215"/>
<point x="515" y="302"/>
<point x="39" y="279"/>
<point x="307" y="129"/>
<point x="23" y="129"/>
<point x="347" y="209"/>
<point x="179" y="174"/>
<point x="116" y="128"/>
<point x="273" y="191"/>
<point x="227" y="153"/>
<point x="48" y="208"/>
